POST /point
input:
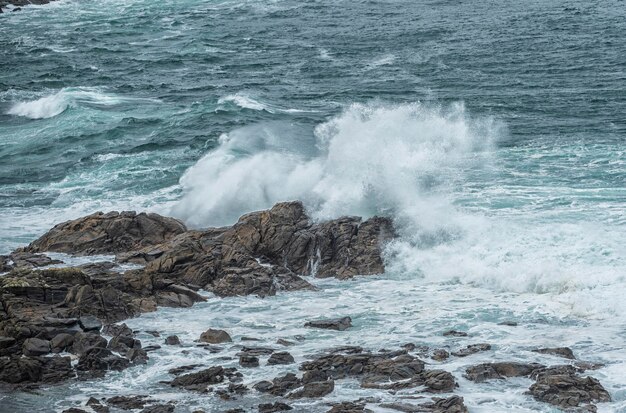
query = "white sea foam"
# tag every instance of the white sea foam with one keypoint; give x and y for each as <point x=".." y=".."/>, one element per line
<point x="52" y="105"/>
<point x="371" y="159"/>
<point x="243" y="101"/>
<point x="409" y="162"/>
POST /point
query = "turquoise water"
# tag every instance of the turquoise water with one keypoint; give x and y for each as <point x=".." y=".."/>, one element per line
<point x="493" y="134"/>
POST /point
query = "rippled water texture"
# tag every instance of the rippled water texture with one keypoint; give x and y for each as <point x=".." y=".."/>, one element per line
<point x="494" y="134"/>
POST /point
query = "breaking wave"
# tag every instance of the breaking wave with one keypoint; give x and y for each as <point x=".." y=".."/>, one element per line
<point x="372" y="159"/>
<point x="52" y="105"/>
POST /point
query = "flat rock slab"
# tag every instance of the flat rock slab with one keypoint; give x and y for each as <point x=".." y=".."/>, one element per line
<point x="339" y="324"/>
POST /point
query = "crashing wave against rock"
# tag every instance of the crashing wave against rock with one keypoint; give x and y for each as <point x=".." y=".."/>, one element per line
<point x="50" y="311"/>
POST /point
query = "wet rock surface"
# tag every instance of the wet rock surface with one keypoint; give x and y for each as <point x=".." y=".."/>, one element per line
<point x="339" y="324"/>
<point x="564" y="388"/>
<point x="109" y="233"/>
<point x="488" y="371"/>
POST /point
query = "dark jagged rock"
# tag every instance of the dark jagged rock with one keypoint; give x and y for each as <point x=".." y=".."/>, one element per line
<point x="248" y="361"/>
<point x="124" y="342"/>
<point x="129" y="402"/>
<point x="201" y="380"/>
<point x="182" y="369"/>
<point x="212" y="336"/>
<point x="339" y="324"/>
<point x="389" y="371"/>
<point x="96" y="406"/>
<point x="502" y="370"/>
<point x="266" y="251"/>
<point x="472" y="349"/>
<point x="454" y="333"/>
<point x="281" y="357"/>
<point x="256" y="351"/>
<point x="563" y="388"/>
<point x="61" y="342"/>
<point x="97" y="361"/>
<point x="172" y="341"/>
<point x="83" y="342"/>
<point x="29" y="260"/>
<point x="74" y="410"/>
<point x="35" y="347"/>
<point x="90" y="323"/>
<point x="349" y="407"/>
<point x="314" y="389"/>
<point x="280" y="385"/>
<point x="28" y="370"/>
<point x="564" y="352"/>
<point x="440" y="354"/>
<point x="108" y="233"/>
<point x="274" y="407"/>
<point x="452" y="404"/>
<point x="159" y="408"/>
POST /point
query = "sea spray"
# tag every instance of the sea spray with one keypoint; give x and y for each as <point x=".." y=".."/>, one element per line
<point x="371" y="159"/>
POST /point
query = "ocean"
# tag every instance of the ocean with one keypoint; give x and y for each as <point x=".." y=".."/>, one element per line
<point x="493" y="133"/>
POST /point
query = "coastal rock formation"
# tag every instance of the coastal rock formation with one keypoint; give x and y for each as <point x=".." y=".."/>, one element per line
<point x="109" y="233"/>
<point x="563" y="387"/>
<point x="502" y="370"/>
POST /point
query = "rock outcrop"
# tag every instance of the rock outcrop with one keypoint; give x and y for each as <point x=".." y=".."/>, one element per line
<point x="109" y="233"/>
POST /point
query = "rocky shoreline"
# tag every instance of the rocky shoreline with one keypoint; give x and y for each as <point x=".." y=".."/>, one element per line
<point x="54" y="322"/>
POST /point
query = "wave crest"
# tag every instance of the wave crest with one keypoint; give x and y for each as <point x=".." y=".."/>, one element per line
<point x="52" y="105"/>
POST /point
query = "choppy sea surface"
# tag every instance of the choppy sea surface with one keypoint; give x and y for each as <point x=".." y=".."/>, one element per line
<point x="493" y="133"/>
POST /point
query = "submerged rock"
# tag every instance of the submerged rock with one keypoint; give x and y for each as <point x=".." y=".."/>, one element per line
<point x="564" y="352"/>
<point x="471" y="349"/>
<point x="339" y="324"/>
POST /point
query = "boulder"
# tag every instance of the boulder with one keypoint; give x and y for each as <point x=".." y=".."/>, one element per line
<point x="201" y="380"/>
<point x="339" y="324"/>
<point x="172" y="341"/>
<point x="213" y="336"/>
<point x="314" y="389"/>
<point x="108" y="233"/>
<point x="35" y="347"/>
<point x="248" y="361"/>
<point x="89" y="323"/>
<point x="281" y="357"/>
